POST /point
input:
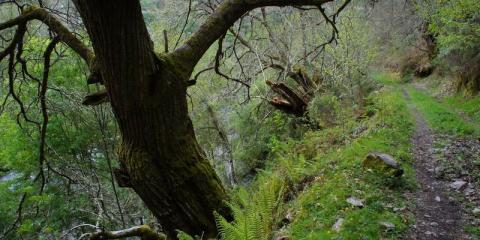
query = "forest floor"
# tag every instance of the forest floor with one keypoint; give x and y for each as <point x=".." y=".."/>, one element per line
<point x="446" y="165"/>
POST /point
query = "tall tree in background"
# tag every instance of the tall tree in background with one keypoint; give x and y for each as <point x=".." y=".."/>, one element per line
<point x="159" y="155"/>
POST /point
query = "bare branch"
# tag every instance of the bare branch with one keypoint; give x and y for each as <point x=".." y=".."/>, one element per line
<point x="344" y="5"/>
<point x="224" y="16"/>
<point x="18" y="219"/>
<point x="17" y="38"/>
<point x="11" y="89"/>
<point x="185" y="24"/>
<point x="193" y="81"/>
<point x="43" y="106"/>
<point x="165" y="40"/>
<point x="218" y="56"/>
<point x="67" y="37"/>
<point x="143" y="231"/>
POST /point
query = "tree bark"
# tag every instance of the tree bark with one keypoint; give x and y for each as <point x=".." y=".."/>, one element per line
<point x="159" y="155"/>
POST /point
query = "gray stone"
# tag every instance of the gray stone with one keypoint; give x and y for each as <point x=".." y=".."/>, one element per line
<point x="387" y="225"/>
<point x="476" y="211"/>
<point x="469" y="191"/>
<point x="383" y="163"/>
<point x="399" y="209"/>
<point x="289" y="216"/>
<point x="458" y="185"/>
<point x="439" y="171"/>
<point x="338" y="225"/>
<point x="355" y="201"/>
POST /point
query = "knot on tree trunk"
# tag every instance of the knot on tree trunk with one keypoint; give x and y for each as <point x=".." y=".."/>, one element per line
<point x="95" y="75"/>
<point x="122" y="177"/>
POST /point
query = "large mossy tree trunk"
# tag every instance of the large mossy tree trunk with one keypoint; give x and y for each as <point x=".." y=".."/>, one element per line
<point x="159" y="155"/>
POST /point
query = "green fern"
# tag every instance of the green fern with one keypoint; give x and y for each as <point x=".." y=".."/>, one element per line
<point x="184" y="236"/>
<point x="253" y="211"/>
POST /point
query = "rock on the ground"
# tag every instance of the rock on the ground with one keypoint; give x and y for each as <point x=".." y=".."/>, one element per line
<point x="439" y="171"/>
<point x="384" y="163"/>
<point x="476" y="211"/>
<point x="355" y="201"/>
<point x="399" y="209"/>
<point x="458" y="185"/>
<point x="387" y="225"/>
<point x="288" y="218"/>
<point x="338" y="225"/>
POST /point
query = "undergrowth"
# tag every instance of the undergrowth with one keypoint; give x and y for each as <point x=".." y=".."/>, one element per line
<point x="340" y="177"/>
<point x="304" y="190"/>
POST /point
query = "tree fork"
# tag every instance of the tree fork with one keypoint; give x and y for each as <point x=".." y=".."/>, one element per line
<point x="159" y="156"/>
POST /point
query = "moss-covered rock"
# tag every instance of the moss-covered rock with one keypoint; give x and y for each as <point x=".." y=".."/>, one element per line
<point x="384" y="163"/>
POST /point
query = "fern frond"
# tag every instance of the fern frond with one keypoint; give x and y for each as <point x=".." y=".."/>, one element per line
<point x="226" y="230"/>
<point x="253" y="211"/>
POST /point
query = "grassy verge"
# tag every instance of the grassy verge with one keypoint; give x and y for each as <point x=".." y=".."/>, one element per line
<point x="303" y="192"/>
<point x="440" y="117"/>
<point x="387" y="78"/>
<point x="340" y="177"/>
<point x="468" y="105"/>
<point x="305" y="187"/>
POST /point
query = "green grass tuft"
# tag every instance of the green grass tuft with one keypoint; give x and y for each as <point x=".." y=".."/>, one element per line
<point x="440" y="117"/>
<point x="468" y="105"/>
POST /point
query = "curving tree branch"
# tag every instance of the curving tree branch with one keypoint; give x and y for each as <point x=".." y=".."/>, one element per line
<point x="224" y="16"/>
<point x="65" y="35"/>
<point x="43" y="105"/>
